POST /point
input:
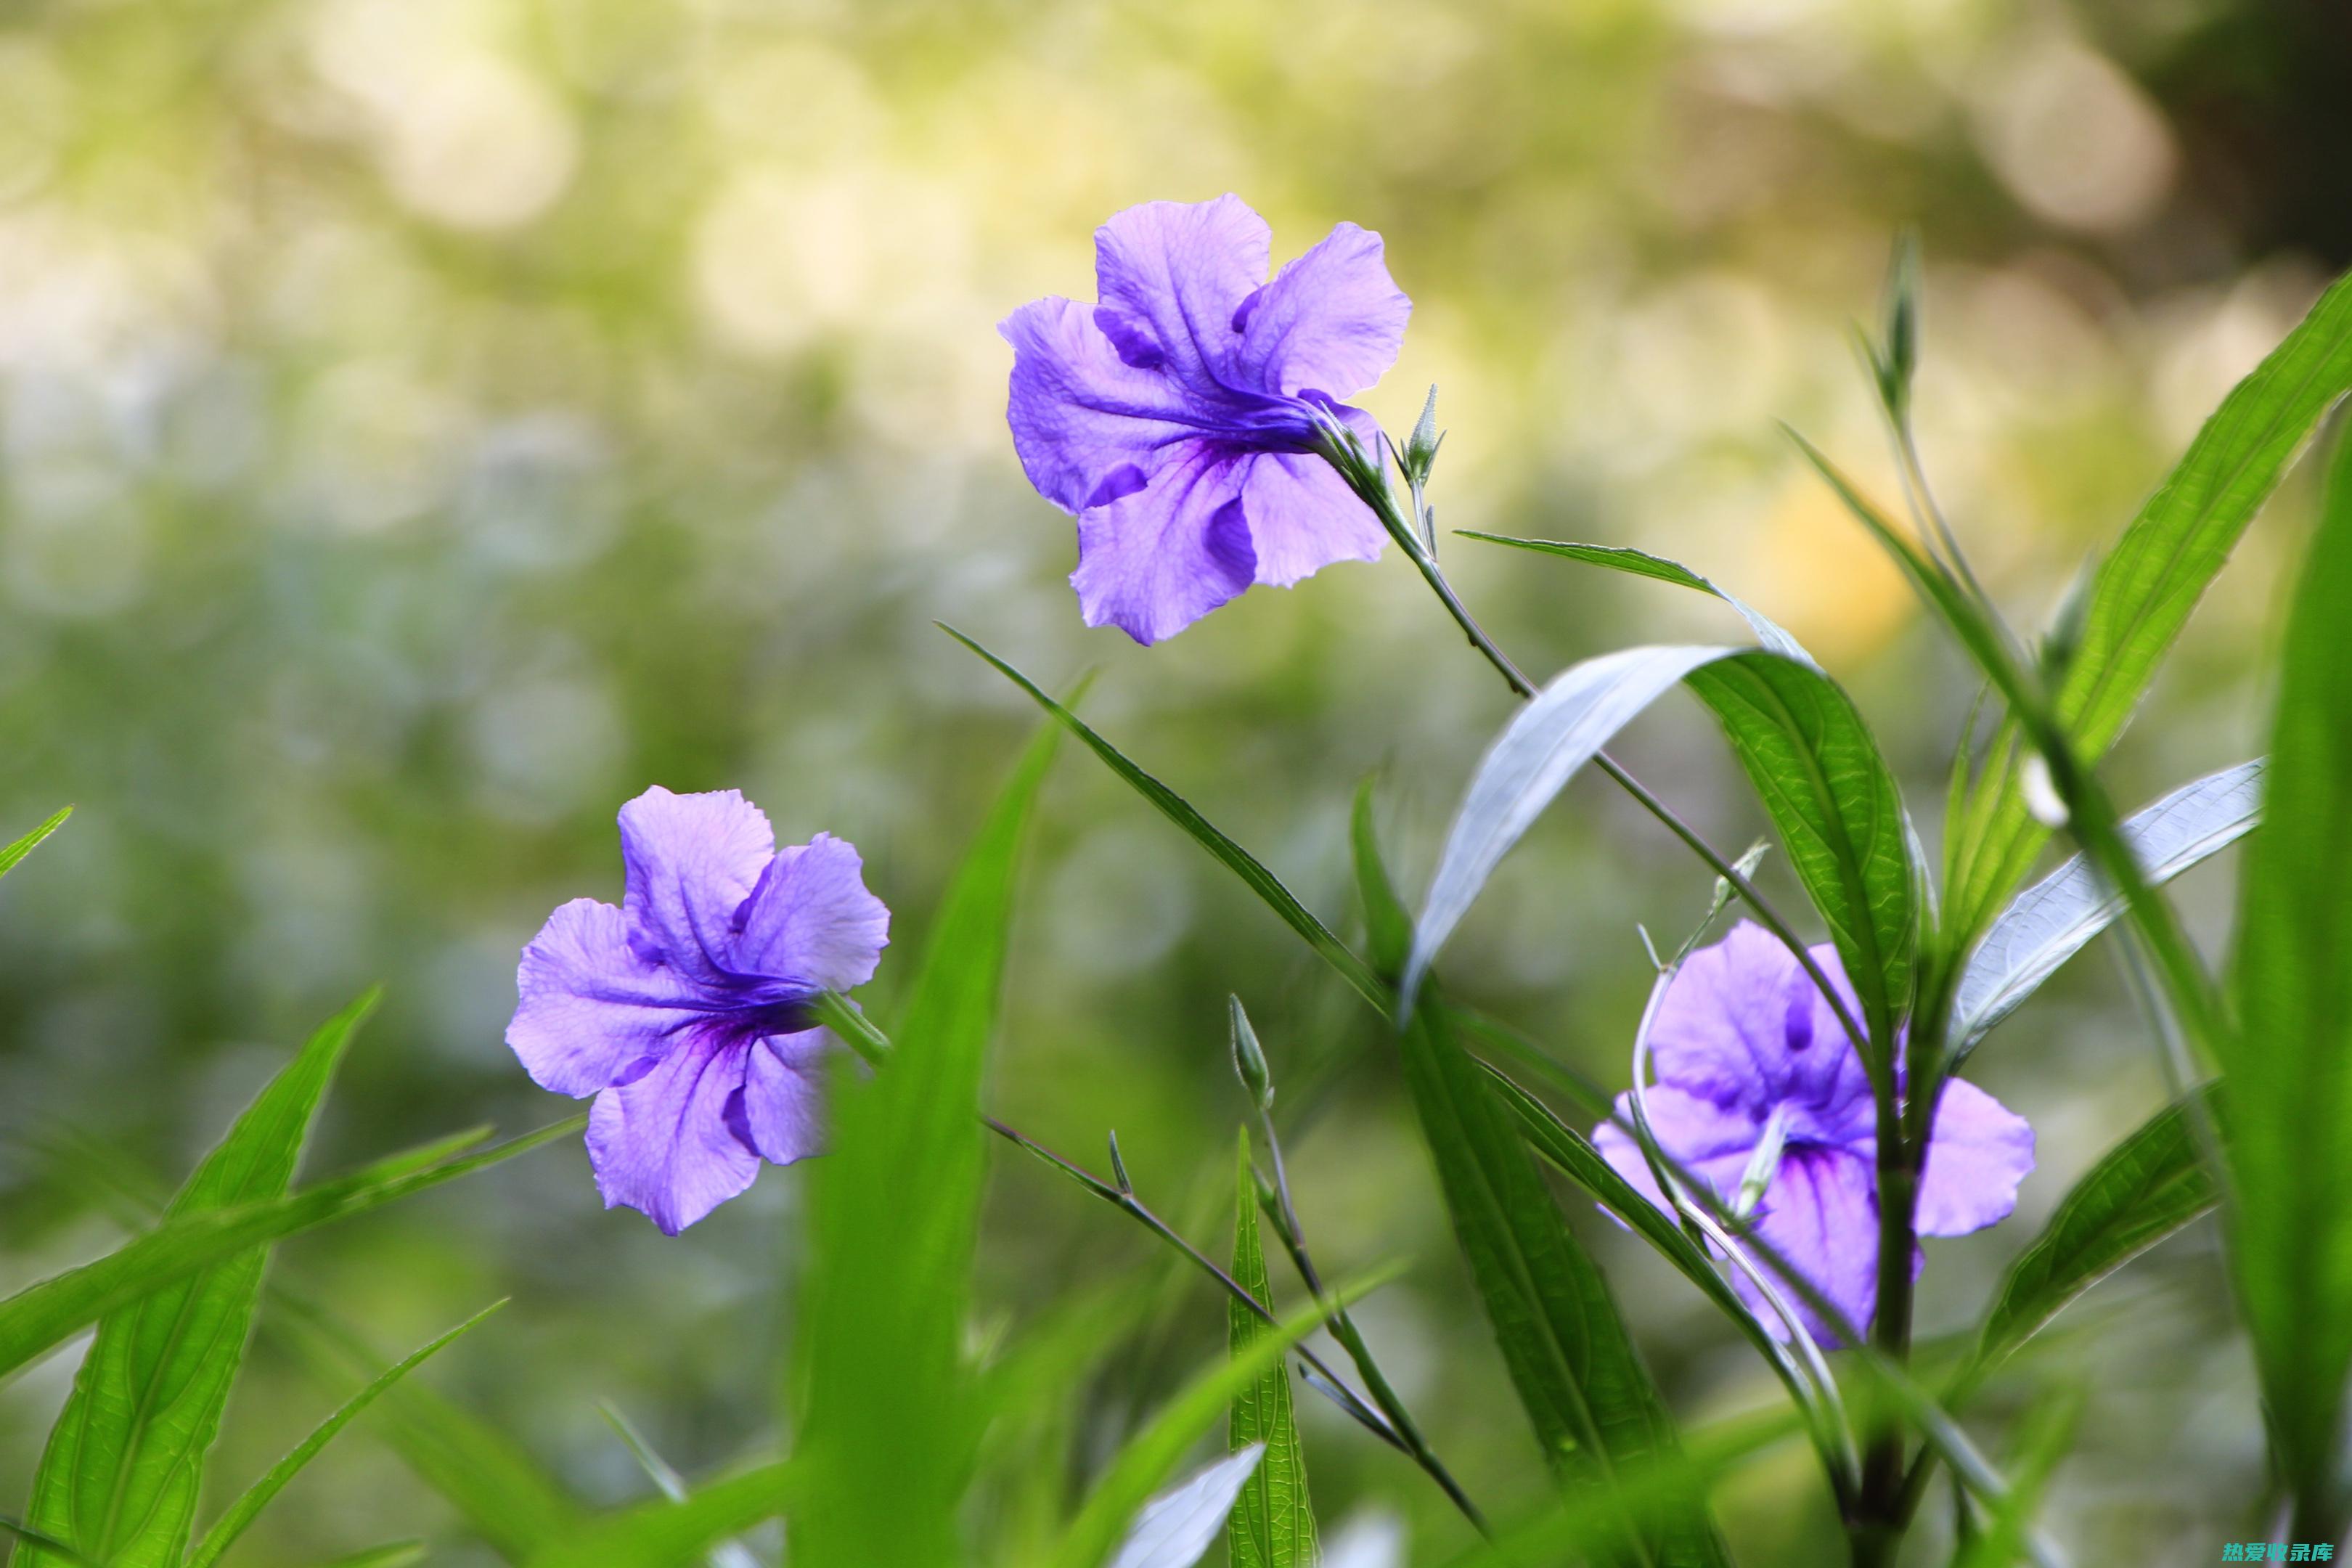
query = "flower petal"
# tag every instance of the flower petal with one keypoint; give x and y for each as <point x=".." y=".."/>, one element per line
<point x="1821" y="1215"/>
<point x="692" y="860"/>
<point x="1153" y="563"/>
<point x="1711" y="1142"/>
<point x="668" y="1145"/>
<point x="1977" y="1152"/>
<point x="783" y="1096"/>
<point x="1171" y="275"/>
<point x="1303" y="516"/>
<point x="1086" y="423"/>
<point x="590" y="1006"/>
<point x="1332" y="320"/>
<point x="811" y="920"/>
<point x="1742" y="1022"/>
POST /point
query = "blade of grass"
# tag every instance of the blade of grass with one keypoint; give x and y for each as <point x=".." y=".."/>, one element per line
<point x="247" y="1508"/>
<point x="892" y="1215"/>
<point x="1273" y="1524"/>
<point x="40" y="1317"/>
<point x="2289" y="1064"/>
<point x="124" y="1462"/>
<point x="30" y="841"/>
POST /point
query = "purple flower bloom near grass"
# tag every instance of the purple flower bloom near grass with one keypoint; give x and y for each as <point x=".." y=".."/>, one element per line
<point x="1179" y="420"/>
<point x="684" y="1010"/>
<point x="1746" y="1049"/>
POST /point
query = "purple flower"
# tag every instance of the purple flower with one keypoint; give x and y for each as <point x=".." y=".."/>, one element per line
<point x="1743" y="1042"/>
<point x="684" y="1010"/>
<point x="1179" y="420"/>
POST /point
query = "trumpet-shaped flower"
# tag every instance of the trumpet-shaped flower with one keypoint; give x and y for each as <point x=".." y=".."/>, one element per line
<point x="1750" y="1056"/>
<point x="684" y="1010"/>
<point x="1179" y="420"/>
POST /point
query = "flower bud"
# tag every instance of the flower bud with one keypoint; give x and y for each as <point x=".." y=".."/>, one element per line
<point x="1249" y="1057"/>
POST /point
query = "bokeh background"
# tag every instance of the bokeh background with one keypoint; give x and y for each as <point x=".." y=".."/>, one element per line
<point x="424" y="424"/>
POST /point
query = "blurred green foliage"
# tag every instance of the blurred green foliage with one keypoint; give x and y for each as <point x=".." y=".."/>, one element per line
<point x="424" y="424"/>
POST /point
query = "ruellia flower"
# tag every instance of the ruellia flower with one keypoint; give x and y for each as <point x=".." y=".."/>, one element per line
<point x="684" y="1010"/>
<point x="1178" y="419"/>
<point x="1751" y="1056"/>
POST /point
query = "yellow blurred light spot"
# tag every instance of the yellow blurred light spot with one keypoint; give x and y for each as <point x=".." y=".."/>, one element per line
<point x="1818" y="573"/>
<point x="480" y="145"/>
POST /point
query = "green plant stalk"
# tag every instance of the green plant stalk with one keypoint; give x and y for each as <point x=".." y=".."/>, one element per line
<point x="1284" y="1217"/>
<point x="1875" y="1522"/>
<point x="1370" y="484"/>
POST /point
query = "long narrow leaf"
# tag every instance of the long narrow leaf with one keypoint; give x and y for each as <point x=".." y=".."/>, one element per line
<point x="1145" y="1462"/>
<point x="124" y="1461"/>
<point x="1641" y="564"/>
<point x="2055" y="918"/>
<point x="1240" y="861"/>
<point x="247" y="1507"/>
<point x="2289" y="1063"/>
<point x="26" y="846"/>
<point x="1274" y="1525"/>
<point x="2158" y="569"/>
<point x="892" y="1412"/>
<point x="2145" y="1188"/>
<point x="509" y="1499"/>
<point x="1805" y="750"/>
<point x="40" y="1317"/>
<point x="661" y="1534"/>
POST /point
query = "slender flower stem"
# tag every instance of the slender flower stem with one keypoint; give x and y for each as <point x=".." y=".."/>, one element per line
<point x="1284" y="1217"/>
<point x="1370" y="484"/>
<point x="1383" y="1425"/>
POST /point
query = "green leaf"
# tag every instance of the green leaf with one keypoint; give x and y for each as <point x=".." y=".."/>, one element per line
<point x="1641" y="564"/>
<point x="390" y="1554"/>
<point x="124" y="1462"/>
<point x="1812" y="762"/>
<point x="247" y="1508"/>
<point x="1145" y="1462"/>
<point x="40" y="1317"/>
<point x="2289" y="1063"/>
<point x="2044" y="1435"/>
<point x="1806" y="752"/>
<point x="893" y="1213"/>
<point x="2144" y="1189"/>
<point x="1273" y="1524"/>
<point x="25" y="846"/>
<point x="1262" y="882"/>
<point x="2055" y="918"/>
<point x="1596" y="1414"/>
<point x="660" y="1534"/>
<point x="492" y="1480"/>
<point x="2152" y="580"/>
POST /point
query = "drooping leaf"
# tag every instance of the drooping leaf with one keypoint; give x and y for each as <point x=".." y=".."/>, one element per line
<point x="892" y="1417"/>
<point x="1273" y="1524"/>
<point x="247" y="1508"/>
<point x="1232" y="856"/>
<point x="1641" y="564"/>
<point x="2148" y="585"/>
<point x="660" y="1534"/>
<point x="1595" y="1411"/>
<point x="2055" y="918"/>
<point x="2144" y="1189"/>
<point x="40" y="1317"/>
<point x="26" y="846"/>
<point x="1148" y="1458"/>
<point x="120" y="1476"/>
<point x="1804" y="748"/>
<point x="1177" y="1528"/>
<point x="2289" y="1061"/>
